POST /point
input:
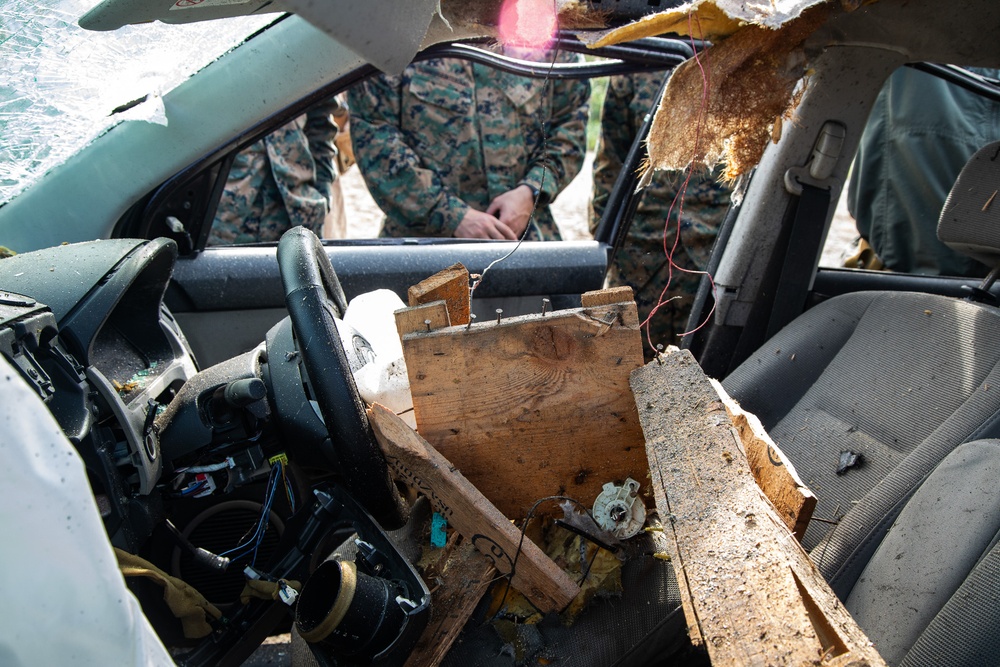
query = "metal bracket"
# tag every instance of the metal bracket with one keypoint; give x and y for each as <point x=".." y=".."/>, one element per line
<point x="818" y="170"/>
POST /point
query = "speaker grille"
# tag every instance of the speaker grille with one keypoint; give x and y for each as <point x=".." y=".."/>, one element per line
<point x="219" y="529"/>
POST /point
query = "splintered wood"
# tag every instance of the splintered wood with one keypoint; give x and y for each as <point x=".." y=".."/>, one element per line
<point x="533" y="406"/>
<point x="749" y="591"/>
<point x="465" y="577"/>
<point x="415" y="463"/>
<point x="451" y="286"/>
<point x="775" y="474"/>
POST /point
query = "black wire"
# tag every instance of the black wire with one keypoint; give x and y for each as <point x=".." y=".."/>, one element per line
<point x="524" y="527"/>
<point x="589" y="565"/>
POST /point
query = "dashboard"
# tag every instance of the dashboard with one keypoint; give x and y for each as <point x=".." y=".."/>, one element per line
<point x="86" y="326"/>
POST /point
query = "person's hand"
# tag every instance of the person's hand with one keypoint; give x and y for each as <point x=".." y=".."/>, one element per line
<point x="513" y="208"/>
<point x="478" y="225"/>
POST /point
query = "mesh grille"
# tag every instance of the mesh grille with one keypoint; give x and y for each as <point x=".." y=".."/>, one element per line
<point x="220" y="529"/>
<point x="607" y="631"/>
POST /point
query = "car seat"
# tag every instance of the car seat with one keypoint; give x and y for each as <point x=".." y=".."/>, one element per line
<point x="868" y="392"/>
<point x="928" y="595"/>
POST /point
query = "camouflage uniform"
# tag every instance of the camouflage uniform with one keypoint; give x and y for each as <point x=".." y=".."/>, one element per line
<point x="641" y="263"/>
<point x="449" y="134"/>
<point x="286" y="179"/>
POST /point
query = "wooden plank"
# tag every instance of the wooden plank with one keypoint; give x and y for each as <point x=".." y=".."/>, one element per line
<point x="775" y="474"/>
<point x="450" y="285"/>
<point x="604" y="297"/>
<point x="417" y="464"/>
<point x="752" y="595"/>
<point x="533" y="406"/>
<point x="465" y="578"/>
<point x="427" y="317"/>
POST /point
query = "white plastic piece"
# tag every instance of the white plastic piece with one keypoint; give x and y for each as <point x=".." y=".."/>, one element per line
<point x="209" y="482"/>
<point x="619" y="510"/>
<point x="381" y="378"/>
<point x="822" y="161"/>
<point x="286" y="593"/>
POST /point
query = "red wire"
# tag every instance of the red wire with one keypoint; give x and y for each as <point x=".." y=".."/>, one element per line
<point x="678" y="200"/>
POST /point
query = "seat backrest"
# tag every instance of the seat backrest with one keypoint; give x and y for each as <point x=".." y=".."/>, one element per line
<point x="900" y="379"/>
<point x="970" y="219"/>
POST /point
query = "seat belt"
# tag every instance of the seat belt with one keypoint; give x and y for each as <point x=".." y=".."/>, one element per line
<point x="807" y="234"/>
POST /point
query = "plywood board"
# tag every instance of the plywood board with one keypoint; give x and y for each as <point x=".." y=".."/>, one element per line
<point x="750" y="593"/>
<point x="533" y="406"/>
<point x="417" y="464"/>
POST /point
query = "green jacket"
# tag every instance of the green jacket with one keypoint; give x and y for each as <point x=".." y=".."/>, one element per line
<point x="921" y="132"/>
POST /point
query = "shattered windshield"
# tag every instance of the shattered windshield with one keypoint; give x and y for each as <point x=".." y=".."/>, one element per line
<point x="62" y="85"/>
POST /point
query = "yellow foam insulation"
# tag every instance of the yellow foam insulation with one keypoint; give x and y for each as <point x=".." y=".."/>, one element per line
<point x="728" y="102"/>
<point x="709" y="19"/>
<point x="722" y="105"/>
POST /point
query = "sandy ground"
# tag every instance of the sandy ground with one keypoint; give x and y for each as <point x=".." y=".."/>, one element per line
<point x="570" y="211"/>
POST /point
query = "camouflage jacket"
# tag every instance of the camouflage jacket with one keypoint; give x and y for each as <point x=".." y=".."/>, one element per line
<point x="642" y="262"/>
<point x="449" y="134"/>
<point x="280" y="181"/>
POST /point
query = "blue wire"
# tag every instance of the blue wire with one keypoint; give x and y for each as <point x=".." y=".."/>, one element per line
<point x="258" y="535"/>
<point x="200" y="486"/>
<point x="266" y="514"/>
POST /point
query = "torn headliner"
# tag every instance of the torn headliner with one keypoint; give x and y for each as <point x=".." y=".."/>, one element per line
<point x="729" y="102"/>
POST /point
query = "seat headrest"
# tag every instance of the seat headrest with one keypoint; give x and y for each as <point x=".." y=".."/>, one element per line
<point x="970" y="219"/>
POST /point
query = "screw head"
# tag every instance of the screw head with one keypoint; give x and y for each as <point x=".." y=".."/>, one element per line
<point x="618" y="513"/>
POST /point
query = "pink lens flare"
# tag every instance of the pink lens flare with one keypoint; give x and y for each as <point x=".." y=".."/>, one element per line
<point x="528" y="24"/>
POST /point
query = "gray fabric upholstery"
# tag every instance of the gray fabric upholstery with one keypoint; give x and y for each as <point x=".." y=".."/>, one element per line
<point x="970" y="219"/>
<point x="939" y="537"/>
<point x="902" y="378"/>
<point x="966" y="632"/>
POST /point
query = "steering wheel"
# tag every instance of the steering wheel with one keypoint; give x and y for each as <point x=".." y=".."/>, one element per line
<point x="315" y="299"/>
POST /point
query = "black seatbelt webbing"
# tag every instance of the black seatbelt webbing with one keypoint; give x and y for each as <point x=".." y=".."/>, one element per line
<point x="800" y="258"/>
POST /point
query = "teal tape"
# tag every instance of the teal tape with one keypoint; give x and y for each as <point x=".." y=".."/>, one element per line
<point x="439" y="531"/>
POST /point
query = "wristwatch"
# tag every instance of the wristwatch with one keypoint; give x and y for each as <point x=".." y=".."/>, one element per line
<point x="538" y="196"/>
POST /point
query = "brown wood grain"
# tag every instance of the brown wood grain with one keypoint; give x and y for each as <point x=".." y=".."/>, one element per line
<point x="417" y="464"/>
<point x="750" y="592"/>
<point x="533" y="406"/>
<point x="426" y="317"/>
<point x="450" y="285"/>
<point x="774" y="473"/>
<point x="605" y="297"/>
